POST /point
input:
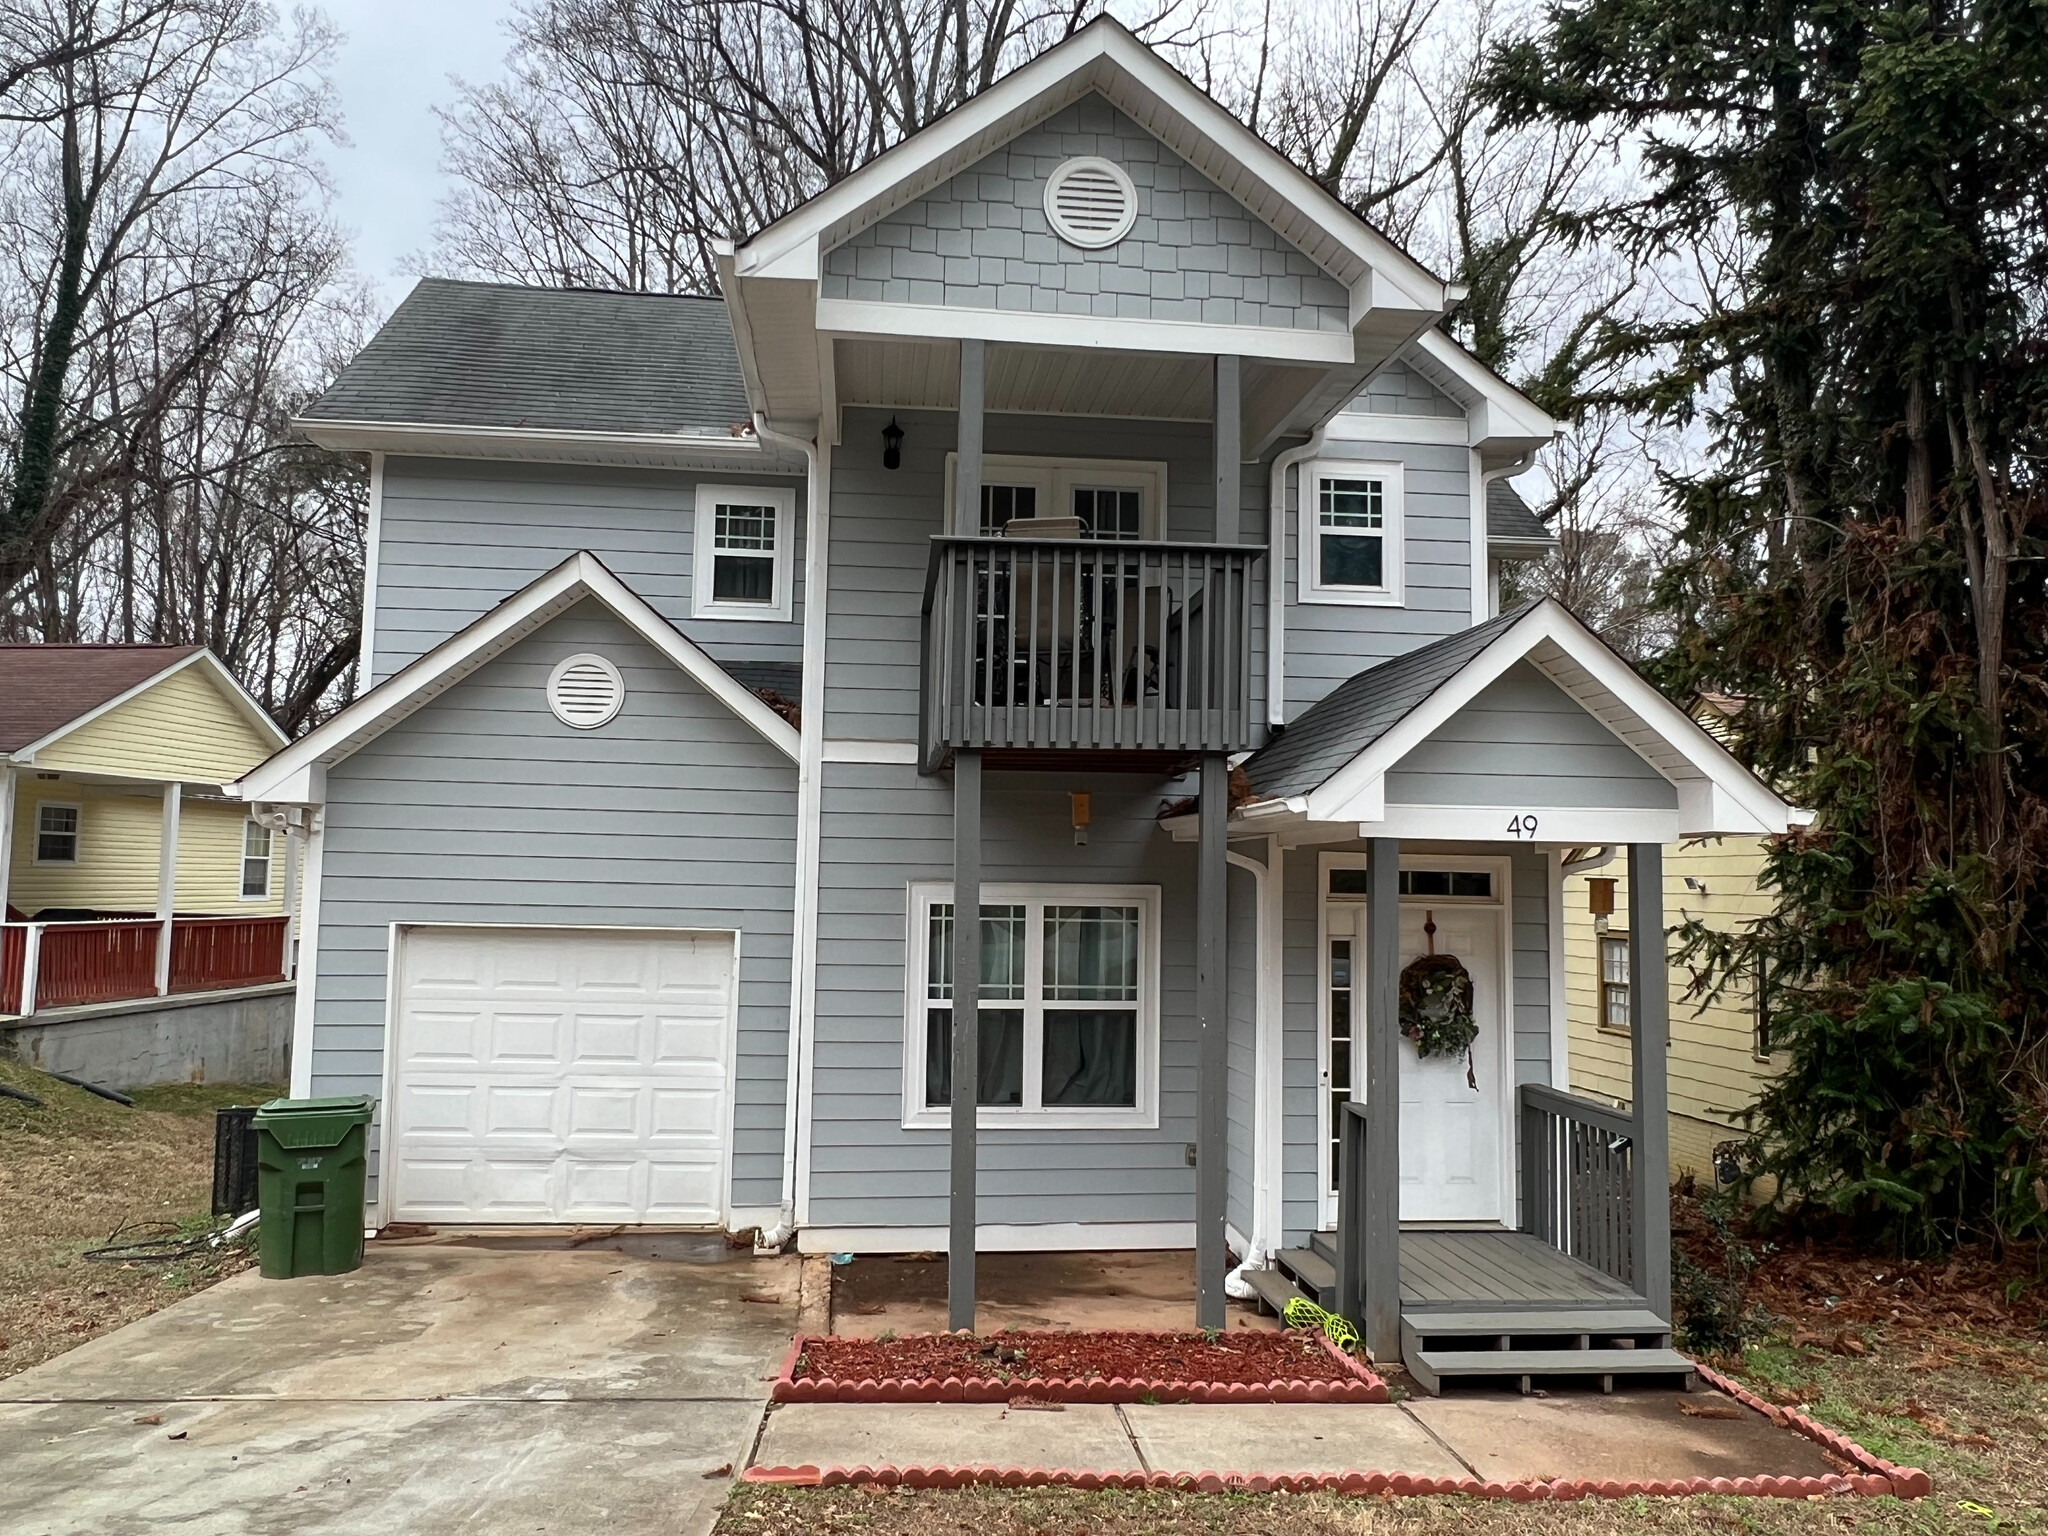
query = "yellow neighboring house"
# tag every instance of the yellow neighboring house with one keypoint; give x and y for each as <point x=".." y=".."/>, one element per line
<point x="1721" y="1054"/>
<point x="112" y="759"/>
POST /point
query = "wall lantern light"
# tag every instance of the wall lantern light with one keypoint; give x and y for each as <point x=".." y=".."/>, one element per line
<point x="1079" y="798"/>
<point x="892" y="445"/>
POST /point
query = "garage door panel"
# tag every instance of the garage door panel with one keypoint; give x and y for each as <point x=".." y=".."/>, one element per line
<point x="553" y="1076"/>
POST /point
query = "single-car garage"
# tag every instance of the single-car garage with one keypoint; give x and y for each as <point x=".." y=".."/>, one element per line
<point x="560" y="1075"/>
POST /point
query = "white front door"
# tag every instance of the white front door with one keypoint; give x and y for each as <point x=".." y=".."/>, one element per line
<point x="560" y="1075"/>
<point x="1452" y="1112"/>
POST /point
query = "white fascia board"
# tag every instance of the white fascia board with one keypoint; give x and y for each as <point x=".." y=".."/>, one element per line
<point x="1384" y="428"/>
<point x="888" y="321"/>
<point x="742" y="330"/>
<point x="1495" y="409"/>
<point x="1760" y="811"/>
<point x="1106" y="57"/>
<point x="581" y="575"/>
<point x="680" y="450"/>
<point x="245" y="704"/>
<point x="1490" y="824"/>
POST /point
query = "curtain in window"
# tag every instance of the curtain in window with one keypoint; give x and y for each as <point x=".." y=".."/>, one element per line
<point x="1091" y="1056"/>
<point x="1000" y="1064"/>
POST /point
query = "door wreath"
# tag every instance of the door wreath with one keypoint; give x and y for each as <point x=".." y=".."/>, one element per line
<point x="1436" y="1004"/>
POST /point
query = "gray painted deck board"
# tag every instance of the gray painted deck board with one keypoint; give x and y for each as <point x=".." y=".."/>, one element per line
<point x="1464" y="1271"/>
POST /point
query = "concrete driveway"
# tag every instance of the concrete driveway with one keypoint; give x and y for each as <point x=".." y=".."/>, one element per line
<point x="503" y="1386"/>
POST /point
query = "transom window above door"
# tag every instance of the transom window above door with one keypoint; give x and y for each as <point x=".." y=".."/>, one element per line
<point x="1350" y="542"/>
<point x="1108" y="498"/>
<point x="743" y="554"/>
<point x="1068" y="1031"/>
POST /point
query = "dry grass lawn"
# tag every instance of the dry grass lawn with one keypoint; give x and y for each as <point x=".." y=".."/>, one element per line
<point x="77" y="1170"/>
<point x="1968" y="1405"/>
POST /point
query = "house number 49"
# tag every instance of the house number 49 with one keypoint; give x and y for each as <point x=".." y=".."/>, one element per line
<point x="1523" y="825"/>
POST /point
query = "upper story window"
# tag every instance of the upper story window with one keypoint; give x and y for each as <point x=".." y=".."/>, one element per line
<point x="1069" y="1025"/>
<point x="1350" y="547"/>
<point x="57" y="833"/>
<point x="1107" y="498"/>
<point x="744" y="552"/>
<point x="255" y="861"/>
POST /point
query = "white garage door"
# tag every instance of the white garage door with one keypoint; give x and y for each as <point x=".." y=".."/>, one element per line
<point x="552" y="1075"/>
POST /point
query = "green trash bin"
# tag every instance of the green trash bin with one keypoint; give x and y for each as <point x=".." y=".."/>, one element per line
<point x="309" y="1179"/>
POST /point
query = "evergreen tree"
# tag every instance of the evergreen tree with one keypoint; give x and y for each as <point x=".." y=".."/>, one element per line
<point x="1865" y="186"/>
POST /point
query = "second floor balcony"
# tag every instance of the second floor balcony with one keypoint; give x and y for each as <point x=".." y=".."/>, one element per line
<point x="1094" y="646"/>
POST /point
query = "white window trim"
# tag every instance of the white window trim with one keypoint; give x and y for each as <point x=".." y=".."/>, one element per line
<point x="917" y="1115"/>
<point x="269" y="863"/>
<point x="1056" y="480"/>
<point x="702" y="604"/>
<point x="1394" y="563"/>
<point x="77" y="838"/>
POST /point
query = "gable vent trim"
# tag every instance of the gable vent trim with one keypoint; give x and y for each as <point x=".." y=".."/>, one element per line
<point x="585" y="691"/>
<point x="1090" y="202"/>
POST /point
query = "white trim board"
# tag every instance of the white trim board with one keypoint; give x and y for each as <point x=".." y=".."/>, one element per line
<point x="894" y="752"/>
<point x="887" y="320"/>
<point x="296" y="774"/>
<point x="663" y="450"/>
<point x="1003" y="1237"/>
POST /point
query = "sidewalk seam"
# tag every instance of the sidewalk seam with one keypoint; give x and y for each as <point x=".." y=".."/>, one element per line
<point x="1130" y="1434"/>
<point x="1449" y="1449"/>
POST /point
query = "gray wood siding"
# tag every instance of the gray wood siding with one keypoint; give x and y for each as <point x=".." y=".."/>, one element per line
<point x="883" y="522"/>
<point x="1528" y="917"/>
<point x="1329" y="642"/>
<point x="459" y="536"/>
<point x="1397" y="390"/>
<point x="483" y="808"/>
<point x="883" y="827"/>
<point x="982" y="241"/>
<point x="1242" y="1085"/>
<point x="1525" y="741"/>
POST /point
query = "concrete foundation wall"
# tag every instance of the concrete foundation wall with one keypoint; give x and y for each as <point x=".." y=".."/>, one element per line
<point x="242" y="1036"/>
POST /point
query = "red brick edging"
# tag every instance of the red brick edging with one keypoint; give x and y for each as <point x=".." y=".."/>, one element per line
<point x="1362" y="1387"/>
<point x="1877" y="1477"/>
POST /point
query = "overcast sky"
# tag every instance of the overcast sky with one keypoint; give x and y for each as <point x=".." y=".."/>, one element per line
<point x="392" y="70"/>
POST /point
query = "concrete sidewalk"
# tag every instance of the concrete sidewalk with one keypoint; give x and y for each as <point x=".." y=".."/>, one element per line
<point x="1641" y="1436"/>
<point x="515" y="1386"/>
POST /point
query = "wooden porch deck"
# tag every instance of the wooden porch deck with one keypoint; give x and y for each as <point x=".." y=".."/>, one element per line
<point x="1474" y="1271"/>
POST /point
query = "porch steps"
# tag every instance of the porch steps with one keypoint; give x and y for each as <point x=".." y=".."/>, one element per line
<point x="1274" y="1289"/>
<point x="1312" y="1271"/>
<point x="1524" y="1344"/>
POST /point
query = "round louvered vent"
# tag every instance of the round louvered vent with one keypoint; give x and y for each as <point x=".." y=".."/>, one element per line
<point x="585" y="691"/>
<point x="1090" y="202"/>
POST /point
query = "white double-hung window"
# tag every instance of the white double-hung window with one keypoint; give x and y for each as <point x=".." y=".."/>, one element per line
<point x="743" y="553"/>
<point x="1350" y="543"/>
<point x="1069" y="1028"/>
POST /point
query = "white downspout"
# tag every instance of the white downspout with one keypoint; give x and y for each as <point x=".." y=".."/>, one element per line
<point x="1262" y="1238"/>
<point x="1276" y="574"/>
<point x="810" y="760"/>
<point x="1485" y="588"/>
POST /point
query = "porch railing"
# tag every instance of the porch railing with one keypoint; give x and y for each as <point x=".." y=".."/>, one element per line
<point x="1576" y="1178"/>
<point x="1089" y="645"/>
<point x="1351" y="1212"/>
<point x="60" y="965"/>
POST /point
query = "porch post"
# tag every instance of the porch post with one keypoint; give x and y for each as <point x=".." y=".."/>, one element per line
<point x="1649" y="1023"/>
<point x="968" y="439"/>
<point x="966" y="1030"/>
<point x="167" y="884"/>
<point x="1381" y="1197"/>
<point x="1228" y="416"/>
<point x="6" y="832"/>
<point x="1212" y="1004"/>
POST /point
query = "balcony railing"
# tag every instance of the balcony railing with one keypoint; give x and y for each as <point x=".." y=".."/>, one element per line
<point x="1086" y="645"/>
<point x="58" y="965"/>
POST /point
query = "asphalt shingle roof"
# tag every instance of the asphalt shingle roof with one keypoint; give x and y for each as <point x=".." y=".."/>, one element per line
<point x="1509" y="517"/>
<point x="43" y="687"/>
<point x="1362" y="709"/>
<point x="565" y="359"/>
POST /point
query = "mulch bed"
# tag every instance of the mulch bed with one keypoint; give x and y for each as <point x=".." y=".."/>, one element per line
<point x="1250" y="1366"/>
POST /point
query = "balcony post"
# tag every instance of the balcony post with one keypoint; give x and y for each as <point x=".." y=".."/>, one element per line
<point x="1381" y="1197"/>
<point x="167" y="884"/>
<point x="1649" y="1026"/>
<point x="1229" y="432"/>
<point x="966" y="1033"/>
<point x="1212" y="1005"/>
<point x="968" y="439"/>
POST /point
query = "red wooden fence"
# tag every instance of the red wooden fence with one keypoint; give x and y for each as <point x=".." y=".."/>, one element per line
<point x="212" y="952"/>
<point x="96" y="963"/>
<point x="101" y="962"/>
<point x="13" y="952"/>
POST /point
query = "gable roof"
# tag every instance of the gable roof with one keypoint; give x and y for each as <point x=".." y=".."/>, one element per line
<point x="1332" y="763"/>
<point x="48" y="691"/>
<point x="296" y="774"/>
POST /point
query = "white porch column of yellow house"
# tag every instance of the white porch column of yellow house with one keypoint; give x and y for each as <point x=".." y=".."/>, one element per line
<point x="167" y="883"/>
<point x="6" y="834"/>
